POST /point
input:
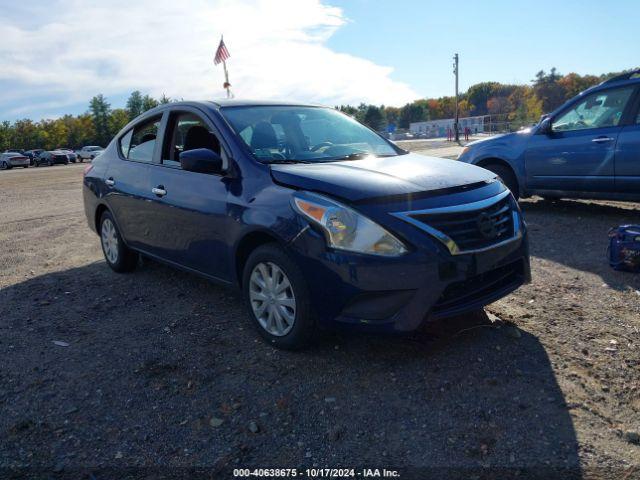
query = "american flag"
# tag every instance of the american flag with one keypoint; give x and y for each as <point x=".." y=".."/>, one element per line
<point x="221" y="54"/>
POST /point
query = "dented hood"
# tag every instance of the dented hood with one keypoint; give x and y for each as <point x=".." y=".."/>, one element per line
<point x="372" y="177"/>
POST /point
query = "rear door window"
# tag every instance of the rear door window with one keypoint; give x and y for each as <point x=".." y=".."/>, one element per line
<point x="139" y="143"/>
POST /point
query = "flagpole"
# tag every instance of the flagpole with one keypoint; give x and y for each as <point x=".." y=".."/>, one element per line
<point x="226" y="78"/>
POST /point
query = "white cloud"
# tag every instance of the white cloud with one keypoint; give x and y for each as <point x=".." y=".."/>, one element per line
<point x="73" y="49"/>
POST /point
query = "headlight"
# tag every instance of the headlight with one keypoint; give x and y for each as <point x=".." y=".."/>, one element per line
<point x="346" y="229"/>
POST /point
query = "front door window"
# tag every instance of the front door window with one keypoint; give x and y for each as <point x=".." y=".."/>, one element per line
<point x="597" y="110"/>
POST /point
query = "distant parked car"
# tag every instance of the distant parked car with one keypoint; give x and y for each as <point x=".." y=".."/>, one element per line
<point x="32" y="154"/>
<point x="73" y="156"/>
<point x="89" y="152"/>
<point x="52" y="158"/>
<point x="13" y="159"/>
<point x="587" y="148"/>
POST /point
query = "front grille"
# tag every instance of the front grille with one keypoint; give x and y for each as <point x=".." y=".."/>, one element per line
<point x="474" y="229"/>
<point x="480" y="289"/>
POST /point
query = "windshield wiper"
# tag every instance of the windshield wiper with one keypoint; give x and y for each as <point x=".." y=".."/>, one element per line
<point x="360" y="155"/>
<point x="285" y="161"/>
<point x="350" y="156"/>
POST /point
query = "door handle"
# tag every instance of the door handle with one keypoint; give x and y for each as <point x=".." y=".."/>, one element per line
<point x="110" y="182"/>
<point x="159" y="191"/>
<point x="602" y="139"/>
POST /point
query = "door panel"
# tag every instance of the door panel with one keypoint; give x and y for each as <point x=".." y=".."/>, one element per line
<point x="189" y="222"/>
<point x="581" y="160"/>
<point x="627" y="163"/>
<point x="128" y="199"/>
<point x="579" y="153"/>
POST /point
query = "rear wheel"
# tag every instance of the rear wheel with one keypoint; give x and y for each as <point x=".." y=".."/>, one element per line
<point x="118" y="256"/>
<point x="4" y="166"/>
<point x="277" y="298"/>
<point x="506" y="176"/>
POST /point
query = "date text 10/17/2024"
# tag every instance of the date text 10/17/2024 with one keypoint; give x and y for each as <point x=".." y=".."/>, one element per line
<point x="316" y="473"/>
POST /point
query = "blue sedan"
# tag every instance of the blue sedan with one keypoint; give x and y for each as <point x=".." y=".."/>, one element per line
<point x="318" y="220"/>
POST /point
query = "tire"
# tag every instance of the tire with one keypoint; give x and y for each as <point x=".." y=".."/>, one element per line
<point x="118" y="256"/>
<point x="49" y="163"/>
<point x="4" y="166"/>
<point x="290" y="309"/>
<point x="506" y="176"/>
<point x="81" y="159"/>
<point x="25" y="166"/>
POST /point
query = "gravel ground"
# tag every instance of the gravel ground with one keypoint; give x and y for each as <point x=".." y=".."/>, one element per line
<point x="159" y="374"/>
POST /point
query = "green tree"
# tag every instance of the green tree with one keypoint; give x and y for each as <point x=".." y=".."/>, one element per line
<point x="25" y="133"/>
<point x="392" y="115"/>
<point x="100" y="110"/>
<point x="118" y="118"/>
<point x="134" y="104"/>
<point x="374" y="118"/>
<point x="413" y="112"/>
<point x="548" y="90"/>
<point x="6" y="135"/>
<point x="148" y="103"/>
<point x="164" y="99"/>
<point x="348" y="109"/>
<point x="86" y="129"/>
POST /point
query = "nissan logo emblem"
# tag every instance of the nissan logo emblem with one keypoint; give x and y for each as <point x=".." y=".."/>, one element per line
<point x="487" y="226"/>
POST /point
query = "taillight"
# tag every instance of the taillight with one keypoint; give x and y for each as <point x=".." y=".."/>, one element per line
<point x="86" y="170"/>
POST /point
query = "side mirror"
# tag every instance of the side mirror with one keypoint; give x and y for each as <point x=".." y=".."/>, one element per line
<point x="201" y="160"/>
<point x="545" y="126"/>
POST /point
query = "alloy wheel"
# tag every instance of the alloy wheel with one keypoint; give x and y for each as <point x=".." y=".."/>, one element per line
<point x="272" y="299"/>
<point x="109" y="240"/>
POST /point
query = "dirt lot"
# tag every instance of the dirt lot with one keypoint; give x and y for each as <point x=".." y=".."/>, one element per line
<point x="158" y="373"/>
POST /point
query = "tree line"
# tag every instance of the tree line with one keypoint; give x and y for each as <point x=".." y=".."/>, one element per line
<point x="97" y="126"/>
<point x="513" y="103"/>
<point x="519" y="104"/>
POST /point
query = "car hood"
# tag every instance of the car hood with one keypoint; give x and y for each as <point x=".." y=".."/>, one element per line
<point x="380" y="176"/>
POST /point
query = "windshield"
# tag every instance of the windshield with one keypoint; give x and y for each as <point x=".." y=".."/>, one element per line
<point x="304" y="134"/>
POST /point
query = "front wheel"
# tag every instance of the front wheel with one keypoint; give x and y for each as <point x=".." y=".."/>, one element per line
<point x="506" y="176"/>
<point x="277" y="298"/>
<point x="4" y="166"/>
<point x="118" y="256"/>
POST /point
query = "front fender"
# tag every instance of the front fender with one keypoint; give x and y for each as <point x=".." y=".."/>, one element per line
<point x="508" y="150"/>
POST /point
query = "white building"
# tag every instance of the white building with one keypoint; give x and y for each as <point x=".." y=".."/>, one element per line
<point x="438" y="128"/>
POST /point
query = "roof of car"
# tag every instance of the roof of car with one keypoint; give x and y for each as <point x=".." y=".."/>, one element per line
<point x="234" y="102"/>
<point x="630" y="77"/>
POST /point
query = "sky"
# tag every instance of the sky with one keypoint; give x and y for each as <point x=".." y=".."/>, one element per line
<point x="56" y="54"/>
